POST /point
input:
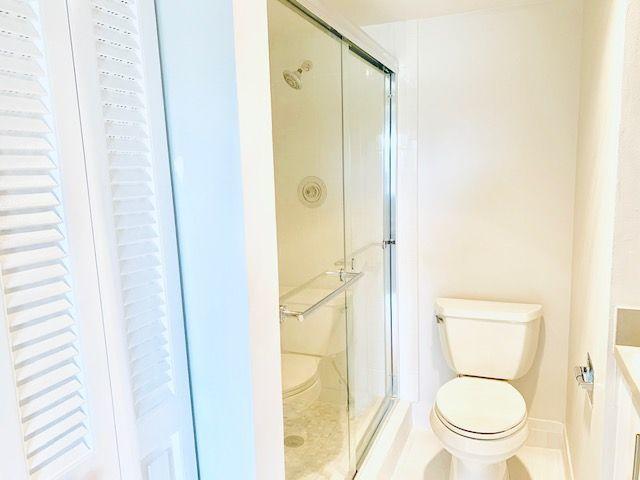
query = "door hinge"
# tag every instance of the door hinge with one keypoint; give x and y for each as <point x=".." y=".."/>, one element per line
<point x="388" y="242"/>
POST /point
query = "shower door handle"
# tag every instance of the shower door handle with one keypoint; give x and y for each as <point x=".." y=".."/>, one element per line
<point x="349" y="279"/>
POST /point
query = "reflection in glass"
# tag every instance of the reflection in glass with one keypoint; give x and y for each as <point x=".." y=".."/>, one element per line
<point x="330" y="112"/>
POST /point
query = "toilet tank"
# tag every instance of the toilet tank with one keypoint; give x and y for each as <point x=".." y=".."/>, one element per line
<point x="323" y="333"/>
<point x="488" y="339"/>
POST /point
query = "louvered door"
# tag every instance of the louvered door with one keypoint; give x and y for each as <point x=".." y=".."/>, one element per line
<point x="119" y="86"/>
<point x="55" y="402"/>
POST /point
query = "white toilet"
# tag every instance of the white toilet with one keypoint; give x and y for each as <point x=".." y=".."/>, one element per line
<point x="300" y="382"/>
<point x="479" y="417"/>
<point x="306" y="345"/>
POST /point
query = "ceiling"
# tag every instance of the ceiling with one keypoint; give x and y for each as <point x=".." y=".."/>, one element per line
<point x="372" y="12"/>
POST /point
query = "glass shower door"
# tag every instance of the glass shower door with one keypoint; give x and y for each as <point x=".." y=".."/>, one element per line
<point x="366" y="150"/>
<point x="331" y="138"/>
<point x="306" y="89"/>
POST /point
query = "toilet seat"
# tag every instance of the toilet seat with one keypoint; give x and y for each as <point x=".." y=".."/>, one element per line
<point x="480" y="408"/>
<point x="299" y="373"/>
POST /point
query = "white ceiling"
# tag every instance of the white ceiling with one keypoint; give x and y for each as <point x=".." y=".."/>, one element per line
<point x="372" y="12"/>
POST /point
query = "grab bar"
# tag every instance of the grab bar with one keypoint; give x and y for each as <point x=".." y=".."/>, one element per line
<point x="351" y="278"/>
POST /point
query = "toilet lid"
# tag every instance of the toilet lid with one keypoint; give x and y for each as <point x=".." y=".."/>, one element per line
<point x="298" y="372"/>
<point x="480" y="405"/>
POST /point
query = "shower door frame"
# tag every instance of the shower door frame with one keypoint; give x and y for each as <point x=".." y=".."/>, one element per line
<point x="389" y="249"/>
<point x="356" y="40"/>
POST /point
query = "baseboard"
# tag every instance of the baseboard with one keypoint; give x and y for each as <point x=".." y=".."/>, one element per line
<point x="551" y="434"/>
<point x="382" y="458"/>
<point x="420" y="413"/>
<point x="566" y="456"/>
<point x="545" y="434"/>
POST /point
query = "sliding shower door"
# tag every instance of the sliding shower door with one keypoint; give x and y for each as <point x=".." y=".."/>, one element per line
<point x="306" y="85"/>
<point x="331" y="154"/>
<point x="366" y="142"/>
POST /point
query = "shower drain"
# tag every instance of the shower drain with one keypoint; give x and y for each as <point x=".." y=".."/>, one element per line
<point x="293" y="441"/>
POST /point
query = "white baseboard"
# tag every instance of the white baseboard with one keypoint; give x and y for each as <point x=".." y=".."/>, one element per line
<point x="420" y="413"/>
<point x="566" y="456"/>
<point x="545" y="434"/>
<point x="383" y="455"/>
<point x="551" y="434"/>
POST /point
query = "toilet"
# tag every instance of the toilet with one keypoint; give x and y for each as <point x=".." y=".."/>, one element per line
<point x="300" y="383"/>
<point x="306" y="345"/>
<point x="479" y="418"/>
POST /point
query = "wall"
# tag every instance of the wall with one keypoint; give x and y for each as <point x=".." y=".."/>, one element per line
<point x="367" y="12"/>
<point x="256" y="146"/>
<point x="496" y="129"/>
<point x="626" y="251"/>
<point x="307" y="142"/>
<point x="601" y="77"/>
<point x="625" y="288"/>
<point x="400" y="39"/>
<point x="226" y="266"/>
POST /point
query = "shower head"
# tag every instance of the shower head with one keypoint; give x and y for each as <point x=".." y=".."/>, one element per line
<point x="294" y="77"/>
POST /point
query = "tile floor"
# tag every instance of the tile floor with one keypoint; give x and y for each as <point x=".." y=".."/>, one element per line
<point x="424" y="459"/>
<point x="316" y="441"/>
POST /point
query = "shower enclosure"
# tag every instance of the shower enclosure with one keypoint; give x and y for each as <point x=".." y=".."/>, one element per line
<point x="333" y="138"/>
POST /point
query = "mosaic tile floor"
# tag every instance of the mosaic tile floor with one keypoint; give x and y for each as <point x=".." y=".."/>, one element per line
<point x="316" y="443"/>
<point x="316" y="439"/>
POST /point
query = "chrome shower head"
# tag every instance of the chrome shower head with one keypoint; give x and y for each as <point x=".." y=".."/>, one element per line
<point x="294" y="78"/>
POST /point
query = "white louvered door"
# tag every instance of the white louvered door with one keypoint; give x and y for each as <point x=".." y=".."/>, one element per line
<point x="56" y="416"/>
<point x="119" y="86"/>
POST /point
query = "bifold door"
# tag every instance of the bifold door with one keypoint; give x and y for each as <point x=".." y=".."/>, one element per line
<point x="93" y="368"/>
<point x="55" y="398"/>
<point x="121" y="109"/>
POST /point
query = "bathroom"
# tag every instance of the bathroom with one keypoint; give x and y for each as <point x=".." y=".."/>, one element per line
<point x="320" y="239"/>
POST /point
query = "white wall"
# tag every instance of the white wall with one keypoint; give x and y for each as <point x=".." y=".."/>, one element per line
<point x="256" y="146"/>
<point x="602" y="56"/>
<point x="625" y="288"/>
<point x="367" y="12"/>
<point x="218" y="120"/>
<point x="307" y="142"/>
<point x="202" y="128"/>
<point x="400" y="39"/>
<point x="626" y="254"/>
<point x="496" y="128"/>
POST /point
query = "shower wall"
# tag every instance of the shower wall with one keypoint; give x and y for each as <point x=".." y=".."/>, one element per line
<point x="308" y="141"/>
<point x="307" y="137"/>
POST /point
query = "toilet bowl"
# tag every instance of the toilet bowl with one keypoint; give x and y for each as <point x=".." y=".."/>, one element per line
<point x="300" y="383"/>
<point x="482" y="423"/>
<point x="479" y="418"/>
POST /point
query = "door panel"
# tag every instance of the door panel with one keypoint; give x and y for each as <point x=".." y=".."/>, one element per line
<point x="309" y="185"/>
<point x="54" y="390"/>
<point x="366" y="156"/>
<point x="116" y="58"/>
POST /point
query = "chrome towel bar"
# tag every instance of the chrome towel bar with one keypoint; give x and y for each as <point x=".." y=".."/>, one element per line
<point x="349" y="278"/>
